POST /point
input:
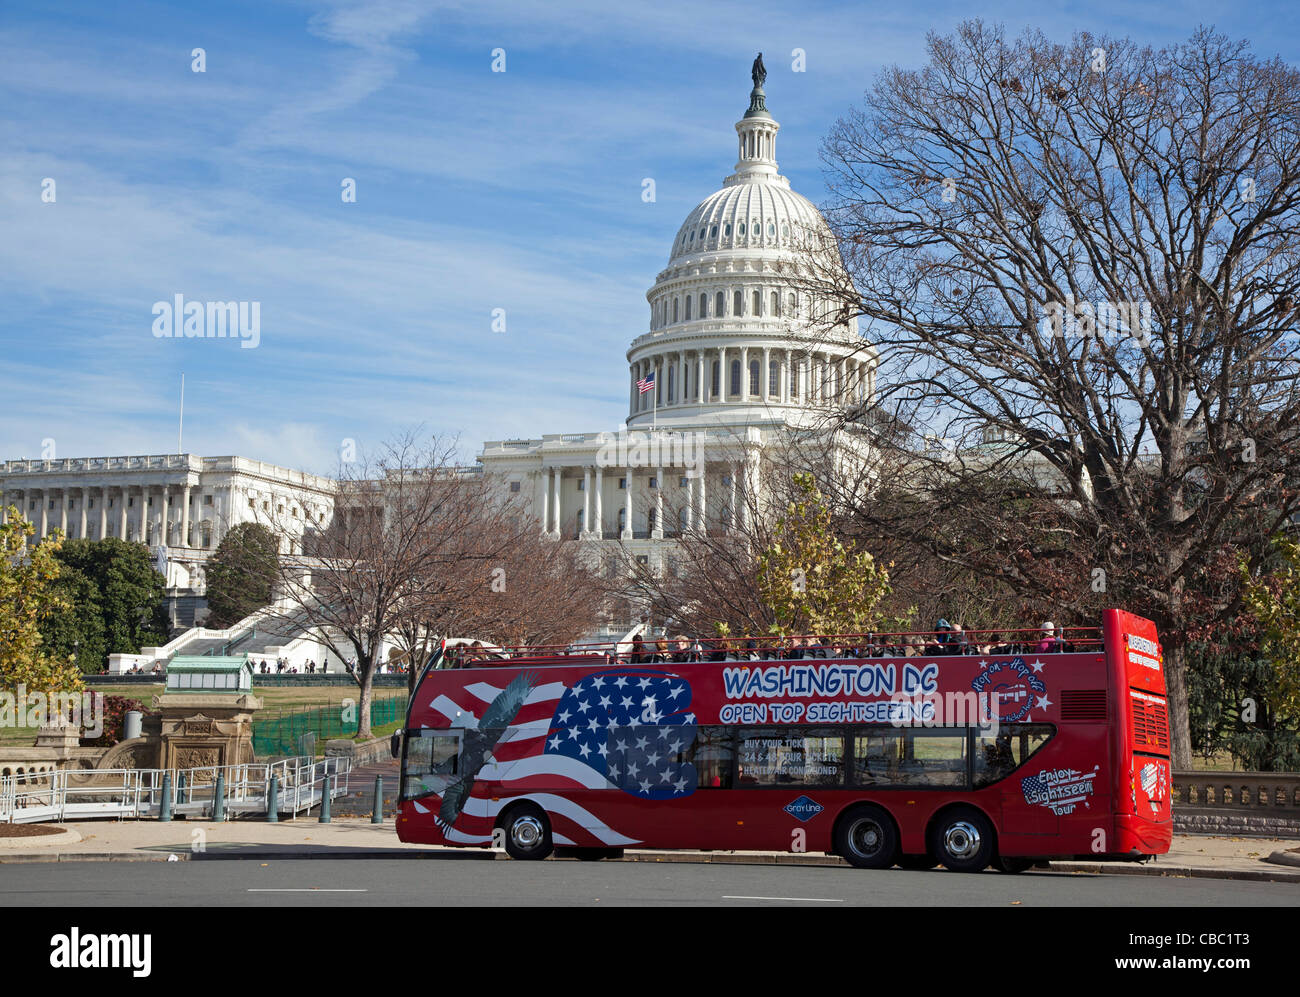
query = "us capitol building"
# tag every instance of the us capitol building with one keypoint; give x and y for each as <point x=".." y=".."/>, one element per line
<point x="743" y="353"/>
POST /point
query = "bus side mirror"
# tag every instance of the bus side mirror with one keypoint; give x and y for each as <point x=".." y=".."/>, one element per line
<point x="395" y="744"/>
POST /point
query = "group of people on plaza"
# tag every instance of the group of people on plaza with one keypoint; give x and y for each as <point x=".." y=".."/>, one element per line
<point x="946" y="638"/>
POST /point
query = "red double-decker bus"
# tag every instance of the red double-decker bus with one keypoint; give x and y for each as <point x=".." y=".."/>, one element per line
<point x="952" y="751"/>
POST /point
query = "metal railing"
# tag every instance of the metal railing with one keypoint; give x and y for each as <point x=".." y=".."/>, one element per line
<point x="69" y="794"/>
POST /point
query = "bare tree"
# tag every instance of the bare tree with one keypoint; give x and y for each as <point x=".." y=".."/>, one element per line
<point x="1085" y="261"/>
<point x="412" y="540"/>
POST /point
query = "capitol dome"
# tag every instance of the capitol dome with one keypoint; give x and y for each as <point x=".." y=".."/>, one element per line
<point x="744" y="325"/>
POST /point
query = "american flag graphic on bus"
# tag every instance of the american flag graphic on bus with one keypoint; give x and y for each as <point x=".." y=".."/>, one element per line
<point x="532" y="736"/>
<point x="630" y="726"/>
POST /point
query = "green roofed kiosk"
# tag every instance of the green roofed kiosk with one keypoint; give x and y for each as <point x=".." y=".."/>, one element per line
<point x="199" y="673"/>
<point x="207" y="710"/>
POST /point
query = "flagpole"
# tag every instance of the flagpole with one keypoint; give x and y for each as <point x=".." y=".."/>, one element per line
<point x="654" y="402"/>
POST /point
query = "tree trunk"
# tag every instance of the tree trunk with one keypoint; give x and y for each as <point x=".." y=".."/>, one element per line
<point x="366" y="677"/>
<point x="1180" y="731"/>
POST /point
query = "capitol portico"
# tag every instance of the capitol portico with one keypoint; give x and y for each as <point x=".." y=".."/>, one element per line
<point x="743" y="346"/>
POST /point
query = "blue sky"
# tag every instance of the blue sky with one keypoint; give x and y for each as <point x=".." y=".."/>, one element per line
<point x="475" y="191"/>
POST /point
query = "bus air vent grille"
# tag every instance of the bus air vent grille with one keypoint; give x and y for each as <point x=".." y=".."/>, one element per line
<point x="1150" y="724"/>
<point x="1083" y="704"/>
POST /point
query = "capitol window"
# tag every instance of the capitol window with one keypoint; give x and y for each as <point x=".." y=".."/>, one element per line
<point x="776" y="304"/>
<point x="704" y="306"/>
<point x="754" y="368"/>
<point x="771" y="230"/>
<point x="740" y="229"/>
<point x="736" y="305"/>
<point x="726" y="230"/>
<point x="758" y="303"/>
<point x="713" y="232"/>
<point x="688" y="308"/>
<point x="718" y="302"/>
<point x="785" y="231"/>
<point x="674" y="309"/>
<point x="735" y="377"/>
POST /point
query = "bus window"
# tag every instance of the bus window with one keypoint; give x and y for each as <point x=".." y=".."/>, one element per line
<point x="933" y="758"/>
<point x="999" y="754"/>
<point x="812" y="758"/>
<point x="430" y="752"/>
<point x="714" y="758"/>
<point x="909" y="758"/>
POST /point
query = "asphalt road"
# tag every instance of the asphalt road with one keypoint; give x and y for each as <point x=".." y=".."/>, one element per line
<point x="459" y="882"/>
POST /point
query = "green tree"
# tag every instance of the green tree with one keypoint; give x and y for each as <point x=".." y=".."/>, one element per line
<point x="29" y="599"/>
<point x="117" y="601"/>
<point x="241" y="574"/>
<point x="813" y="581"/>
<point x="1274" y="601"/>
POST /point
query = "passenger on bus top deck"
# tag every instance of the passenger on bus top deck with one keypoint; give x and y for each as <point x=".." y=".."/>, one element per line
<point x="1049" y="642"/>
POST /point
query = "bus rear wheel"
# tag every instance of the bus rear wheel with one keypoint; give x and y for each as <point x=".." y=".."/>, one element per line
<point x="866" y="837"/>
<point x="528" y="832"/>
<point x="962" y="839"/>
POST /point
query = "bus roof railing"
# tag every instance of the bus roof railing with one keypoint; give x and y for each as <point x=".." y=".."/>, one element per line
<point x="868" y="644"/>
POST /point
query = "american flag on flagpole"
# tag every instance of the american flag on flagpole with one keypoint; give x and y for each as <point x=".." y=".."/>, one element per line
<point x="646" y="383"/>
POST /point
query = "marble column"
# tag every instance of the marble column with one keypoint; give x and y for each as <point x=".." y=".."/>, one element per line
<point x="699" y="380"/>
<point x="185" y="516"/>
<point x="547" y="474"/>
<point x="629" y="505"/>
<point x="559" y="508"/>
<point x="121" y="512"/>
<point x="164" y="533"/>
<point x="765" y="376"/>
<point x="45" y="509"/>
<point x="586" y="499"/>
<point x="732" y="518"/>
<point x="744" y="373"/>
<point x="63" y="510"/>
<point x="103" y="513"/>
<point x="598" y="518"/>
<point x="81" y="528"/>
<point x="658" y="531"/>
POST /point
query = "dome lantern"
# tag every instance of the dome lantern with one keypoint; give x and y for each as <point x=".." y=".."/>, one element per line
<point x="757" y="131"/>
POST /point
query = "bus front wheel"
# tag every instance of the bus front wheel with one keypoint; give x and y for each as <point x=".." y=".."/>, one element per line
<point x="963" y="840"/>
<point x="528" y="832"/>
<point x="866" y="837"/>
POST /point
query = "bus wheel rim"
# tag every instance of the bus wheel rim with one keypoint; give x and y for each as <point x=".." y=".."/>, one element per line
<point x="526" y="832"/>
<point x="866" y="837"/>
<point x="962" y="839"/>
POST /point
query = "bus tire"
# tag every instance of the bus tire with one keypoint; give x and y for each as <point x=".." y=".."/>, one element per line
<point x="528" y="832"/>
<point x="865" y="837"/>
<point x="963" y="840"/>
<point x="1013" y="865"/>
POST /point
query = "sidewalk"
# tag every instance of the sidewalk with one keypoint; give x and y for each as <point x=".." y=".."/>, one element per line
<point x="150" y="840"/>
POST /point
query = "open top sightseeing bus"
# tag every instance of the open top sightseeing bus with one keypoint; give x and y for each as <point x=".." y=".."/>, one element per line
<point x="847" y="745"/>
